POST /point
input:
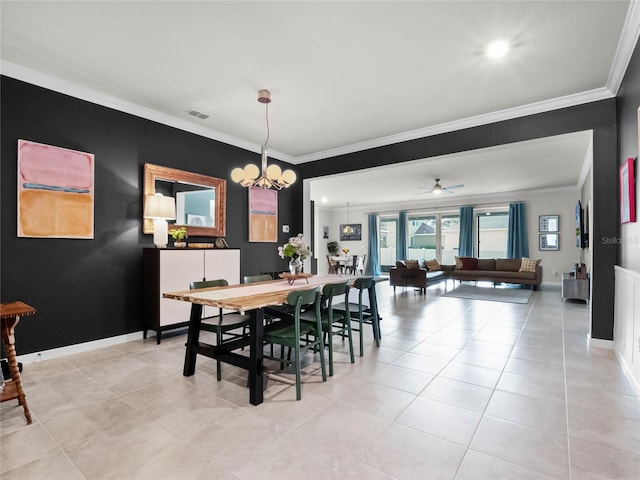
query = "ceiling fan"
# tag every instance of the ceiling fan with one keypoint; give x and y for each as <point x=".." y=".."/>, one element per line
<point x="438" y="189"/>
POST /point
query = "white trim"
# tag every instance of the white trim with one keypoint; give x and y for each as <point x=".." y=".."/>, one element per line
<point x="628" y="373"/>
<point x="50" y="82"/>
<point x="485" y="119"/>
<point x="626" y="45"/>
<point x="600" y="343"/>
<point x="78" y="348"/>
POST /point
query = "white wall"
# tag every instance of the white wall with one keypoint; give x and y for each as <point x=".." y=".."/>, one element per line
<point x="333" y="218"/>
<point x="560" y="202"/>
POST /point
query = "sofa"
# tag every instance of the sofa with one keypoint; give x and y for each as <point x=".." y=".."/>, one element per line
<point x="418" y="274"/>
<point x="524" y="271"/>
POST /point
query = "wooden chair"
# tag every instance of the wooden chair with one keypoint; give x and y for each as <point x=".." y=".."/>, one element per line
<point x="222" y="324"/>
<point x="296" y="335"/>
<point x="333" y="265"/>
<point x="334" y="322"/>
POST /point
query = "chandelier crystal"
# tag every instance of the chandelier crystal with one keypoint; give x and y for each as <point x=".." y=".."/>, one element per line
<point x="270" y="176"/>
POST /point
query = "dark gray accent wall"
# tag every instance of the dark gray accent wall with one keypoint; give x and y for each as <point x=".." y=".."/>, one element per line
<point x="597" y="116"/>
<point x="628" y="102"/>
<point x="92" y="289"/>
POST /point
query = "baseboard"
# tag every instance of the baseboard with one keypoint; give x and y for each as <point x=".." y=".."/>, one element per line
<point x="78" y="348"/>
<point x="628" y="373"/>
<point x="600" y="343"/>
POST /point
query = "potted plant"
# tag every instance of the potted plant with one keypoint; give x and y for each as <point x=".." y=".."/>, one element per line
<point x="332" y="247"/>
<point x="179" y="234"/>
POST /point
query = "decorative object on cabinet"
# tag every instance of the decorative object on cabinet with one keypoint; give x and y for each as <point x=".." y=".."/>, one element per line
<point x="159" y="209"/>
<point x="627" y="192"/>
<point x="178" y="235"/>
<point x="171" y="270"/>
<point x="55" y="192"/>
<point x="263" y="215"/>
<point x="549" y="223"/>
<point x="269" y="177"/>
<point x="197" y="196"/>
<point x="221" y="243"/>
<point x="549" y="241"/>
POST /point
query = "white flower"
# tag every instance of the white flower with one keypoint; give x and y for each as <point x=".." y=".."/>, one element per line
<point x="295" y="248"/>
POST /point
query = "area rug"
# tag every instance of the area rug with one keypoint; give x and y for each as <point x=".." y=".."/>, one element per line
<point x="510" y="295"/>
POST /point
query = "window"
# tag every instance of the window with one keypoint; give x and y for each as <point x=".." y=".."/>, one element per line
<point x="388" y="241"/>
<point x="491" y="234"/>
<point x="433" y="236"/>
<point x="422" y="236"/>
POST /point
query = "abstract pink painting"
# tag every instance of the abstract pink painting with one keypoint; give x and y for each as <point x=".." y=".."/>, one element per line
<point x="55" y="192"/>
<point x="263" y="215"/>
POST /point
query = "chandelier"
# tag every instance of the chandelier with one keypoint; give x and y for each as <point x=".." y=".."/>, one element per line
<point x="270" y="176"/>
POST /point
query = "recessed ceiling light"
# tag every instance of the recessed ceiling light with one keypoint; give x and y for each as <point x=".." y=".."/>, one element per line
<point x="497" y="49"/>
<point x="323" y="199"/>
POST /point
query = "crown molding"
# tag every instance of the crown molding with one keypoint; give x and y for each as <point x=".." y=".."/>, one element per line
<point x="485" y="119"/>
<point x="68" y="88"/>
<point x="626" y="45"/>
<point x="65" y="87"/>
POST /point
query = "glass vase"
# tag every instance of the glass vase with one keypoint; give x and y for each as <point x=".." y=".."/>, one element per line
<point x="295" y="266"/>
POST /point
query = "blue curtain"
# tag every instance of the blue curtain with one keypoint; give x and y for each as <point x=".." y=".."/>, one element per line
<point x="465" y="242"/>
<point x="373" y="263"/>
<point x="401" y="247"/>
<point x="517" y="243"/>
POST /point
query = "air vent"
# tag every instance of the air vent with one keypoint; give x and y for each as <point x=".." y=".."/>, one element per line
<point x="196" y="113"/>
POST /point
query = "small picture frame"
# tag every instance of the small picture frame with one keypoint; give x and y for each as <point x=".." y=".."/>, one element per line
<point x="549" y="223"/>
<point x="627" y="192"/>
<point x="549" y="241"/>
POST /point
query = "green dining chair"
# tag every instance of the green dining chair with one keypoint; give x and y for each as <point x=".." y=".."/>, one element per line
<point x="257" y="278"/>
<point x="361" y="312"/>
<point x="297" y="335"/>
<point x="334" y="322"/>
<point x="224" y="325"/>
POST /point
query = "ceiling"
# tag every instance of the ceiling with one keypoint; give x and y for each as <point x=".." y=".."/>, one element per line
<point x="343" y="76"/>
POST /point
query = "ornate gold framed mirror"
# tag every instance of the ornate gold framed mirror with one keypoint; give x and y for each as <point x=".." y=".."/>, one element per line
<point x="201" y="201"/>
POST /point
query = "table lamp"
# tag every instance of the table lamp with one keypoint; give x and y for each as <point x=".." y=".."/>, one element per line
<point x="160" y="209"/>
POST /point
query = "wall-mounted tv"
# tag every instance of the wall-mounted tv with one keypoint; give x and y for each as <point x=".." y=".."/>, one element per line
<point x="579" y="226"/>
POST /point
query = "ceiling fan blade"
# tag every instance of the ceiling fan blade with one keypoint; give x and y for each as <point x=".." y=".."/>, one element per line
<point x="422" y="193"/>
<point x="446" y="190"/>
<point x="453" y="187"/>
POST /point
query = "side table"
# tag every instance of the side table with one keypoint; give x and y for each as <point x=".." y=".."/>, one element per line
<point x="575" y="288"/>
<point x="10" y="314"/>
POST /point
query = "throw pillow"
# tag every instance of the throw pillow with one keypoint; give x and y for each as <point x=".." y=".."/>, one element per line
<point x="432" y="265"/>
<point x="469" y="263"/>
<point x="529" y="264"/>
<point x="458" y="263"/>
<point x="412" y="264"/>
<point x="400" y="264"/>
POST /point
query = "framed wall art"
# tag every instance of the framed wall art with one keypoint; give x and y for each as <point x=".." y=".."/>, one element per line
<point x="549" y="223"/>
<point x="627" y="192"/>
<point x="55" y="192"/>
<point x="549" y="241"/>
<point x="263" y="215"/>
<point x="350" y="231"/>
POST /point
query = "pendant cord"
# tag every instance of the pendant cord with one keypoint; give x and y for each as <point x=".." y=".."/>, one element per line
<point x="266" y="114"/>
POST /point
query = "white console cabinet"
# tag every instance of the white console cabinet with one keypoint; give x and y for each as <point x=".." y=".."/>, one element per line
<point x="173" y="269"/>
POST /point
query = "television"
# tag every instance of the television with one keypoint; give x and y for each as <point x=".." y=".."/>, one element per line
<point x="579" y="226"/>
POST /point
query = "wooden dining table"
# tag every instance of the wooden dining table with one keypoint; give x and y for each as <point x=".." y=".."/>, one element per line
<point x="245" y="298"/>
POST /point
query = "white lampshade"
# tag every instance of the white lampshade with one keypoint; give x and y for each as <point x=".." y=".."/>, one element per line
<point x="160" y="207"/>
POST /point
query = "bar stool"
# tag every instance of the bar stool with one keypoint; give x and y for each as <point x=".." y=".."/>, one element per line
<point x="10" y="314"/>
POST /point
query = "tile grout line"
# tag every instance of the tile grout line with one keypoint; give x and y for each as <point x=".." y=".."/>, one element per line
<point x="566" y="390"/>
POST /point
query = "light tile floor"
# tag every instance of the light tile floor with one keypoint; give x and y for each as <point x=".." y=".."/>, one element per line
<point x="459" y="389"/>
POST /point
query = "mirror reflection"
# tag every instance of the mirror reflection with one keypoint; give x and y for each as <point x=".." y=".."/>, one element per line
<point x="200" y="200"/>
